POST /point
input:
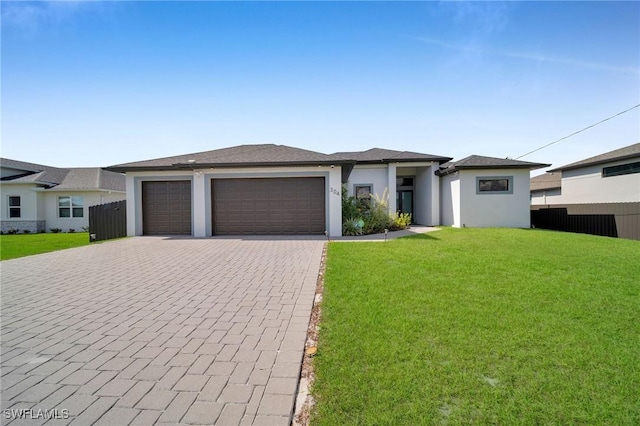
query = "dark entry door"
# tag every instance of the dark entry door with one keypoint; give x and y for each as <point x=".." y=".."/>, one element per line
<point x="404" y="202"/>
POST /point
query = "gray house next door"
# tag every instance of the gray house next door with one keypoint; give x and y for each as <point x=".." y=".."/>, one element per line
<point x="269" y="206"/>
<point x="166" y="207"/>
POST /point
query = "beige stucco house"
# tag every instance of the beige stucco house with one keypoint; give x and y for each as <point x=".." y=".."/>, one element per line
<point x="38" y="198"/>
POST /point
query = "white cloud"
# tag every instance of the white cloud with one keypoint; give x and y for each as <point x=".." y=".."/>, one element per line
<point x="483" y="17"/>
<point x="528" y="56"/>
<point x="29" y="17"/>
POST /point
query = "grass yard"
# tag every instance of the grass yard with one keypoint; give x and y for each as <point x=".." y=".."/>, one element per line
<point x="480" y="326"/>
<point x="19" y="245"/>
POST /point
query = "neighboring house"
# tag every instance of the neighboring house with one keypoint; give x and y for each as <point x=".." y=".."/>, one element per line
<point x="38" y="198"/>
<point x="546" y="188"/>
<point x="486" y="192"/>
<point x="612" y="177"/>
<point x="275" y="189"/>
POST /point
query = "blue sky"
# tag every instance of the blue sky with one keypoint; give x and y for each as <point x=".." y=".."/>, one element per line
<point x="101" y="83"/>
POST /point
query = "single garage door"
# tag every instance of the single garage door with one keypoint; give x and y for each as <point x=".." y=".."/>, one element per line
<point x="166" y="207"/>
<point x="273" y="206"/>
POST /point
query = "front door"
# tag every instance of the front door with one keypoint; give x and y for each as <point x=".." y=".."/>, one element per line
<point x="404" y="202"/>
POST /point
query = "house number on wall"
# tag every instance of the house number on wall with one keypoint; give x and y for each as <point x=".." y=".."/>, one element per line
<point x="334" y="191"/>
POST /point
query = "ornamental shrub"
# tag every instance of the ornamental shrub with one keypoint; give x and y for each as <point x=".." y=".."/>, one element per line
<point x="378" y="218"/>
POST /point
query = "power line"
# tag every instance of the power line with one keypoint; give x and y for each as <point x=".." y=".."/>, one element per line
<point x="579" y="131"/>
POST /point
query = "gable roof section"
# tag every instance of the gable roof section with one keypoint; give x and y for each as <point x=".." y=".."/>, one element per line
<point x="111" y="180"/>
<point x="481" y="162"/>
<point x="61" y="179"/>
<point x="631" y="151"/>
<point x="237" y="156"/>
<point x="92" y="178"/>
<point x="546" y="181"/>
<point x="379" y="155"/>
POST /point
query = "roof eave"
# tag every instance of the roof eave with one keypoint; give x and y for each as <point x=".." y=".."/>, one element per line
<point x="445" y="172"/>
<point x="547" y="188"/>
<point x="32" y="182"/>
<point x="595" y="163"/>
<point x="57" y="189"/>
<point x="533" y="166"/>
<point x="195" y="166"/>
<point x="439" y="160"/>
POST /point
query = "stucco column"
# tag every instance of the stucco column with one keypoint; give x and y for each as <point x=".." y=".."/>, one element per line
<point x="392" y="187"/>
<point x="132" y="206"/>
<point x="199" y="205"/>
<point x="334" y="201"/>
<point x="435" y="194"/>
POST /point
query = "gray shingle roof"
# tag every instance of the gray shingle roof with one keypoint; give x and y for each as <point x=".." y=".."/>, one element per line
<point x="112" y="181"/>
<point x="272" y="155"/>
<point x="243" y="155"/>
<point x="379" y="155"/>
<point x="58" y="179"/>
<point x="92" y="178"/>
<point x="481" y="162"/>
<point x="34" y="172"/>
<point x="631" y="151"/>
<point x="546" y="181"/>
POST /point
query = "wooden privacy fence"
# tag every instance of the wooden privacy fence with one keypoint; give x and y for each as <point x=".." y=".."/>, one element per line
<point x="108" y="221"/>
<point x="620" y="220"/>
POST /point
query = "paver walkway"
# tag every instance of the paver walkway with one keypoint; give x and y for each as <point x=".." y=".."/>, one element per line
<point x="152" y="330"/>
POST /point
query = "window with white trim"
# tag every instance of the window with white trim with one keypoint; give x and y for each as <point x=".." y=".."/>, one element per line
<point x="71" y="206"/>
<point x="15" y="206"/>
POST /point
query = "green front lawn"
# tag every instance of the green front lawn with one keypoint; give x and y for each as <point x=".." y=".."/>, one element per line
<point x="19" y="245"/>
<point x="480" y="326"/>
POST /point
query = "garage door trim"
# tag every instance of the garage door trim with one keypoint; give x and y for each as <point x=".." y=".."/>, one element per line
<point x="139" y="183"/>
<point x="304" y="200"/>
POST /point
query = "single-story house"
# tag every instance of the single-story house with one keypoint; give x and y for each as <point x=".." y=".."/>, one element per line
<point x="275" y="189"/>
<point x="38" y="198"/>
<point x="482" y="191"/>
<point x="612" y="177"/>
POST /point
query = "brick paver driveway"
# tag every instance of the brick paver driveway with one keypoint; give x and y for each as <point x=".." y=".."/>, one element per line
<point x="153" y="330"/>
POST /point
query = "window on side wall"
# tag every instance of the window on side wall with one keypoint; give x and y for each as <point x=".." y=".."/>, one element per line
<point x="15" y="206"/>
<point x="363" y="194"/>
<point x="72" y="206"/>
<point x="494" y="185"/>
<point x="623" y="169"/>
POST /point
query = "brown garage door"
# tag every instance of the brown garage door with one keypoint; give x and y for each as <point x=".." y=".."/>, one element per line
<point x="274" y="206"/>
<point x="166" y="208"/>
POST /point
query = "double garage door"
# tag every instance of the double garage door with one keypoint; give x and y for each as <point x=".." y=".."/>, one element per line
<point x="269" y="206"/>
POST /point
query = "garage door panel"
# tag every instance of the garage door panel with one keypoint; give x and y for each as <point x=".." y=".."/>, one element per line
<point x="166" y="207"/>
<point x="268" y="206"/>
